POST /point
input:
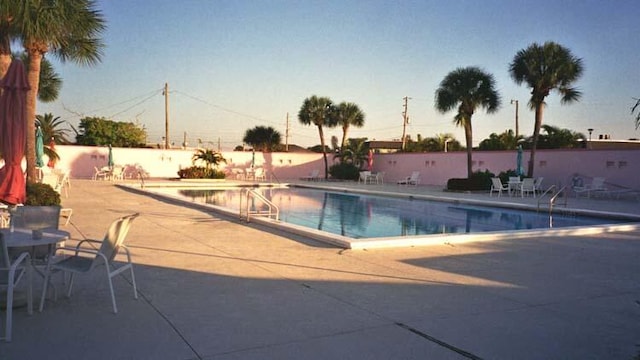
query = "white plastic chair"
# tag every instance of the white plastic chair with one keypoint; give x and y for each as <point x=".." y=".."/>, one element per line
<point x="86" y="260"/>
<point x="497" y="186"/>
<point x="527" y="187"/>
<point x="313" y="176"/>
<point x="414" y="179"/>
<point x="11" y="272"/>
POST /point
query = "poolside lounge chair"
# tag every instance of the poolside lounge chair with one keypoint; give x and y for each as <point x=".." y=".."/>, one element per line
<point x="497" y="186"/>
<point x="596" y="187"/>
<point x="414" y="179"/>
<point x="11" y="272"/>
<point x="87" y="258"/>
<point x="313" y="176"/>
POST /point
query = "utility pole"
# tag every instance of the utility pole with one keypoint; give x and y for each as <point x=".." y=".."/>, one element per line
<point x="517" y="130"/>
<point x="286" y="136"/>
<point x="184" y="140"/>
<point x="166" y="115"/>
<point x="405" y="121"/>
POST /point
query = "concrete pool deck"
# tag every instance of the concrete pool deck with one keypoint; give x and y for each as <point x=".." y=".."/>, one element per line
<point x="213" y="288"/>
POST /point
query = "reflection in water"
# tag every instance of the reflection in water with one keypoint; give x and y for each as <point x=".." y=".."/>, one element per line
<point x="363" y="216"/>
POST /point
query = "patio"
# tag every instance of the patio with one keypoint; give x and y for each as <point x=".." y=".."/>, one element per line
<point x="212" y="288"/>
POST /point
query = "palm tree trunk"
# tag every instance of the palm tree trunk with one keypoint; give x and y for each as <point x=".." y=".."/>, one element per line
<point x="468" y="135"/>
<point x="33" y="76"/>
<point x="536" y="133"/>
<point x="345" y="129"/>
<point x="324" y="153"/>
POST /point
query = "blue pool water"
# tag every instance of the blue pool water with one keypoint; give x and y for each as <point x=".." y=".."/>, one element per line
<point x="365" y="216"/>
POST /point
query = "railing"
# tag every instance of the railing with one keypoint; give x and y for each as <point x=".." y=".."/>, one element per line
<point x="552" y="200"/>
<point x="271" y="212"/>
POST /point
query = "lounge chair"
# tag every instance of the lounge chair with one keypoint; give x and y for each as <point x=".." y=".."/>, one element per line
<point x="11" y="272"/>
<point x="414" y="179"/>
<point x="497" y="186"/>
<point x="86" y="259"/>
<point x="596" y="186"/>
<point x="313" y="176"/>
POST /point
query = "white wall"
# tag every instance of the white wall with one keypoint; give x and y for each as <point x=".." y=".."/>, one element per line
<point x="620" y="167"/>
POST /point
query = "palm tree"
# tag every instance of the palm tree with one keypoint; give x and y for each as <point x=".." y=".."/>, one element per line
<point x="69" y="29"/>
<point x="320" y="112"/>
<point x="356" y="152"/>
<point x="633" y="109"/>
<point x="467" y="88"/>
<point x="262" y="138"/>
<point x="209" y="157"/>
<point x="544" y="68"/>
<point x="556" y="138"/>
<point x="349" y="114"/>
<point x="51" y="128"/>
<point x="50" y="81"/>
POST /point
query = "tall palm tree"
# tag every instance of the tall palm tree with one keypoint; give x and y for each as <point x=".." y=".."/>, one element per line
<point x="69" y="29"/>
<point x="544" y="68"/>
<point x="320" y="112"/>
<point x="467" y="89"/>
<point x="262" y="138"/>
<point x="633" y="110"/>
<point x="349" y="114"/>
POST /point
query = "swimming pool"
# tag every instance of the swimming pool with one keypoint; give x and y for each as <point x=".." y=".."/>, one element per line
<point x="367" y="217"/>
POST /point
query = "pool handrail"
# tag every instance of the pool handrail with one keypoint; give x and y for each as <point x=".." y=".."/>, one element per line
<point x="256" y="195"/>
<point x="552" y="200"/>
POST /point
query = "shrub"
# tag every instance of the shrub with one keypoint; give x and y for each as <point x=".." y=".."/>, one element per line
<point x="344" y="171"/>
<point x="199" y="172"/>
<point x="480" y="180"/>
<point x="41" y="195"/>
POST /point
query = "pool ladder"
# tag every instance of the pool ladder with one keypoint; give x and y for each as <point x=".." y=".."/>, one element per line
<point x="246" y="212"/>
<point x="553" y="199"/>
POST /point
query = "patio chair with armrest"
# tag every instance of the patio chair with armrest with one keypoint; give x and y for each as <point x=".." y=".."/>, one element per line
<point x="87" y="258"/>
<point x="313" y="176"/>
<point x="596" y="186"/>
<point x="11" y="272"/>
<point x="414" y="179"/>
<point x="497" y="186"/>
<point x="527" y="187"/>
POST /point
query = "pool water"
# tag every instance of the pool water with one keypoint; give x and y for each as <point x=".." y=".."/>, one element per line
<point x="366" y="216"/>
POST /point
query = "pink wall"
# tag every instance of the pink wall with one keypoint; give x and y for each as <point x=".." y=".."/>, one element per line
<point x="619" y="167"/>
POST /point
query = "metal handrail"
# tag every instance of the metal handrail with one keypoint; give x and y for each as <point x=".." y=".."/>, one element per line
<point x="273" y="208"/>
<point x="552" y="200"/>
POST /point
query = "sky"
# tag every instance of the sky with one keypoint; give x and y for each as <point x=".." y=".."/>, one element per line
<point x="233" y="65"/>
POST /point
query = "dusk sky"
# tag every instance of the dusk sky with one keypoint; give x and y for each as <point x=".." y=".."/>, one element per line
<point x="233" y="65"/>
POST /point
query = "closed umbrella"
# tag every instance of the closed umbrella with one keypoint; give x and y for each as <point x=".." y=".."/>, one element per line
<point x="52" y="146"/>
<point x="39" y="148"/>
<point x="13" y="137"/>
<point x="110" y="159"/>
<point x="370" y="160"/>
<point x="519" y="168"/>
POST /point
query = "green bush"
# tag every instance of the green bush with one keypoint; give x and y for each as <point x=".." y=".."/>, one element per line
<point x="199" y="172"/>
<point x="480" y="180"/>
<point x="41" y="195"/>
<point x="344" y="171"/>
